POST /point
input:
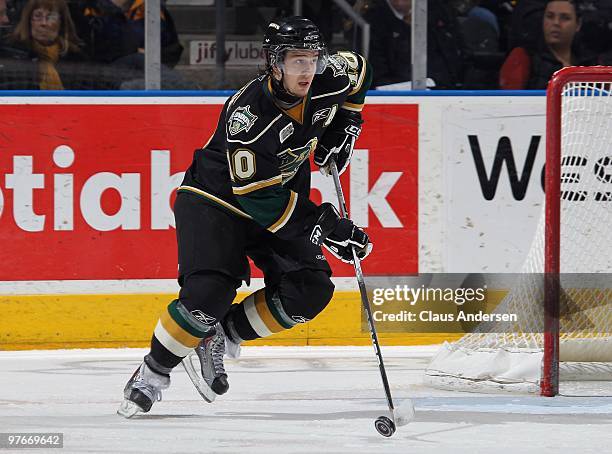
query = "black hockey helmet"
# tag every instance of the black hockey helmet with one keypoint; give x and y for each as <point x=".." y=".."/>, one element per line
<point x="293" y="33"/>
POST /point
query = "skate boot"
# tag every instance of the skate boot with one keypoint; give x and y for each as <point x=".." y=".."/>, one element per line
<point x="142" y="390"/>
<point x="210" y="351"/>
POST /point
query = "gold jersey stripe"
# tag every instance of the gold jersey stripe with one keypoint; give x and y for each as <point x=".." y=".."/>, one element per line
<point x="214" y="199"/>
<point x="229" y="166"/>
<point x="286" y="214"/>
<point x="241" y="190"/>
<point x="353" y="107"/>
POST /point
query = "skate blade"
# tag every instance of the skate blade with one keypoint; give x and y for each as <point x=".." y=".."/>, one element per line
<point x="127" y="409"/>
<point x="198" y="382"/>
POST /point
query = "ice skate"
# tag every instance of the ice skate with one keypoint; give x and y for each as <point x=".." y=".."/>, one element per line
<point x="210" y="351"/>
<point x="142" y="390"/>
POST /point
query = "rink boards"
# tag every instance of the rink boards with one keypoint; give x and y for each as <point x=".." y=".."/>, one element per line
<point x="86" y="228"/>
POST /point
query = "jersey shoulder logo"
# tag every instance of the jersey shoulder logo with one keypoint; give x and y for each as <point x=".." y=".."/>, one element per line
<point x="352" y="66"/>
<point x="337" y="64"/>
<point x="241" y="120"/>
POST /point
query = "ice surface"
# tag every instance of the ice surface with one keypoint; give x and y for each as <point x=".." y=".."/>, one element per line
<point x="285" y="400"/>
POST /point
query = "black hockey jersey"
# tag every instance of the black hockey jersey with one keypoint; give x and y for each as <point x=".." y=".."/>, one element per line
<point x="256" y="164"/>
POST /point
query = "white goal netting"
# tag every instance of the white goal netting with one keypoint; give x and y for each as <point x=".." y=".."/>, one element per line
<point x="489" y="360"/>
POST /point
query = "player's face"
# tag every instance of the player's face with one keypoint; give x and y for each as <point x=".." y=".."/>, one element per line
<point x="299" y="68"/>
<point x="560" y="23"/>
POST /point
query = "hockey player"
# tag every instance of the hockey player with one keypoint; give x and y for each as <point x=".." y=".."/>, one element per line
<point x="246" y="193"/>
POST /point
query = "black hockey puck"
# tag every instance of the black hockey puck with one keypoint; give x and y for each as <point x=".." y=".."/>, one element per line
<point x="384" y="426"/>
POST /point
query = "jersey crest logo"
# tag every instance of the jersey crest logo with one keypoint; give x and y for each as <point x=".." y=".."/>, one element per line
<point x="291" y="159"/>
<point x="286" y="132"/>
<point x="241" y="120"/>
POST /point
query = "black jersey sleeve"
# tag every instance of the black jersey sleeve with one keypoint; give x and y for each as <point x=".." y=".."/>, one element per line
<point x="257" y="184"/>
<point x="359" y="72"/>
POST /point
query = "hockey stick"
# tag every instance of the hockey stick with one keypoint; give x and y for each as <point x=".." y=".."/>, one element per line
<point x="384" y="425"/>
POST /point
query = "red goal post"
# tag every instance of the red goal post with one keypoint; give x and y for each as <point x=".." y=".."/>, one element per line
<point x="549" y="385"/>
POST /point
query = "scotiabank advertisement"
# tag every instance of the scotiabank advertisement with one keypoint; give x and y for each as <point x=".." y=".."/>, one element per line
<point x="86" y="187"/>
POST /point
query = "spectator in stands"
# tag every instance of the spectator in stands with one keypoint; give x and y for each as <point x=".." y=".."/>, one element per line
<point x="526" y="24"/>
<point x="5" y="29"/>
<point x="390" y="43"/>
<point x="114" y="29"/>
<point x="503" y="11"/>
<point x="481" y="37"/>
<point x="5" y="25"/>
<point x="526" y="69"/>
<point x="13" y="66"/>
<point x="596" y="29"/>
<point x="46" y="35"/>
<point x="473" y="9"/>
<point x="4" y="19"/>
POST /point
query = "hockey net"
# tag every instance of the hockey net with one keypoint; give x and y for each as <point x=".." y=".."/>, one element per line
<point x="565" y="324"/>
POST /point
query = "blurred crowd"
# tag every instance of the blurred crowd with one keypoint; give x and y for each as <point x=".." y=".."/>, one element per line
<point x="484" y="44"/>
<point x="80" y="45"/>
<point x="471" y="44"/>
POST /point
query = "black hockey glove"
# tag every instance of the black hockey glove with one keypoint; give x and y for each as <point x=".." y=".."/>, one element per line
<point x="339" y="235"/>
<point x="338" y="141"/>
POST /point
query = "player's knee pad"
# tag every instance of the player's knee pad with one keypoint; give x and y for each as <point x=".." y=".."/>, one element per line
<point x="207" y="295"/>
<point x="304" y="294"/>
